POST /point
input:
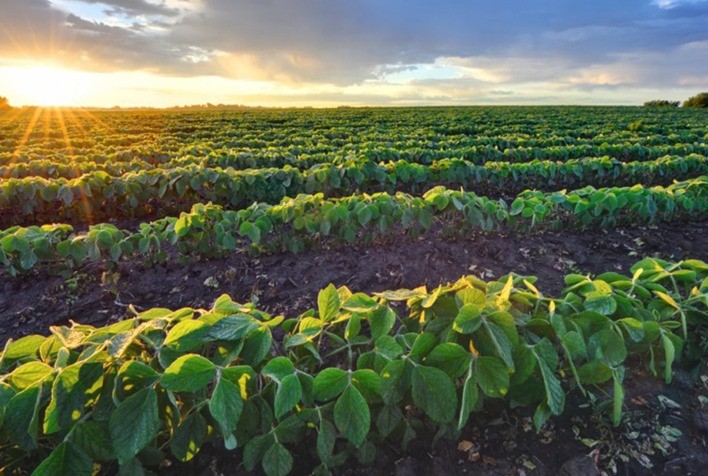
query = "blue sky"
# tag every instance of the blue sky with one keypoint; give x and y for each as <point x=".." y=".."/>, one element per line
<point x="329" y="52"/>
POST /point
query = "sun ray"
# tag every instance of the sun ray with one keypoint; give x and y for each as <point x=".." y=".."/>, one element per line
<point x="28" y="132"/>
<point x="59" y="115"/>
<point x="95" y="118"/>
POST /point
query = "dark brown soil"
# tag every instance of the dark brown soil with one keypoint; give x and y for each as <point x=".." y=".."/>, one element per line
<point x="289" y="283"/>
<point x="501" y="439"/>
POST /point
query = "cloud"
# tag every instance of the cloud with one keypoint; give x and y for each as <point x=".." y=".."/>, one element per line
<point x="433" y="49"/>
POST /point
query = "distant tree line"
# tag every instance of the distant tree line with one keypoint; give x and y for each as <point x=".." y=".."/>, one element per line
<point x="4" y="103"/>
<point x="699" y="100"/>
<point x="662" y="103"/>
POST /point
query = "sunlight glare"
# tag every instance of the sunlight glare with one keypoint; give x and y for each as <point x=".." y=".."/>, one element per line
<point x="48" y="86"/>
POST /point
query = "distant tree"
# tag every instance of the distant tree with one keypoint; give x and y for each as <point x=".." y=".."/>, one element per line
<point x="662" y="103"/>
<point x="699" y="100"/>
<point x="4" y="102"/>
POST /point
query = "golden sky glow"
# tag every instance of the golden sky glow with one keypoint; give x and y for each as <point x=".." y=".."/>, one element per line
<point x="323" y="53"/>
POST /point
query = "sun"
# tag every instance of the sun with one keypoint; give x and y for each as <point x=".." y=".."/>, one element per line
<point x="50" y="86"/>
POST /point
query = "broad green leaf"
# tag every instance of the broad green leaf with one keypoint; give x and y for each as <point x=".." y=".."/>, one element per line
<point x="351" y="416"/>
<point x="232" y="328"/>
<point x="188" y="437"/>
<point x="501" y="343"/>
<point x="609" y="346"/>
<point x="329" y="383"/>
<point x="600" y="303"/>
<point x="468" y="320"/>
<point x="188" y="373"/>
<point x="257" y="345"/>
<point x="187" y="335"/>
<point x="277" y="461"/>
<point x="388" y="418"/>
<point x="255" y="449"/>
<point x="328" y="303"/>
<point x="326" y="438"/>
<point x="492" y="376"/>
<point x="66" y="459"/>
<point x="595" y="372"/>
<point x="21" y="417"/>
<point x="368" y="383"/>
<point x="449" y="357"/>
<point x="381" y="322"/>
<point x="288" y="395"/>
<point x="134" y="424"/>
<point x="226" y="405"/>
<point x="555" y="398"/>
<point x="278" y="368"/>
<point x="360" y="303"/>
<point x="24" y="347"/>
<point x="73" y="388"/>
<point x="434" y="393"/>
<point x="29" y="374"/>
<point x="94" y="439"/>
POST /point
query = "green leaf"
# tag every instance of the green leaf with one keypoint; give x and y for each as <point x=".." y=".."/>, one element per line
<point x="94" y="439"/>
<point x="381" y="322"/>
<point x="29" y="374"/>
<point x="326" y="438"/>
<point x="257" y="345"/>
<point x="351" y="416"/>
<point x="449" y="357"/>
<point x="188" y="373"/>
<point x="288" y="395"/>
<point x="492" y="376"/>
<point x="71" y="391"/>
<point x="66" y="459"/>
<point x="388" y="418"/>
<point x="364" y="215"/>
<point x="188" y="437"/>
<point x="501" y="343"/>
<point x="617" y="396"/>
<point x="555" y="398"/>
<point x="134" y="424"/>
<point x="434" y="393"/>
<point x="232" y="328"/>
<point x="368" y="383"/>
<point x="328" y="303"/>
<point x="277" y="461"/>
<point x="226" y="406"/>
<point x="329" y="383"/>
<point x="595" y="373"/>
<point x="468" y="319"/>
<point x="600" y="303"/>
<point x="360" y="303"/>
<point x="609" y="347"/>
<point x="470" y="395"/>
<point x="278" y="368"/>
<point x="255" y="449"/>
<point x="669" y="355"/>
<point x="21" y="417"/>
<point x="187" y="335"/>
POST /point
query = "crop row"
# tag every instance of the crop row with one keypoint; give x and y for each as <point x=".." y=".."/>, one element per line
<point x="116" y="164"/>
<point x="350" y="376"/>
<point x="312" y="220"/>
<point x="98" y="195"/>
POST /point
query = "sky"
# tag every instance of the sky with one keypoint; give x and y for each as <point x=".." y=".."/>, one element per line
<point x="351" y="52"/>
